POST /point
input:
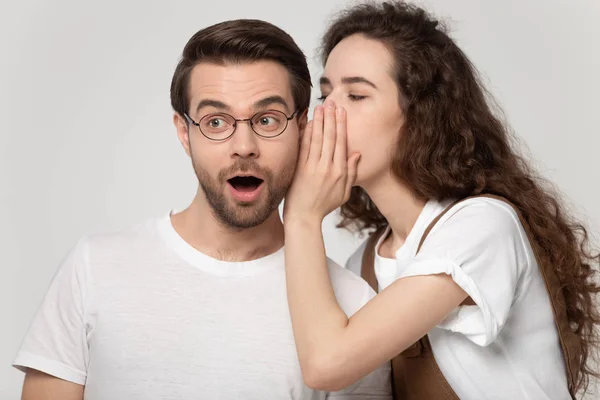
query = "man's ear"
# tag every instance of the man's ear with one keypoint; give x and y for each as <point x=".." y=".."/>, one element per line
<point x="183" y="129"/>
<point x="302" y="121"/>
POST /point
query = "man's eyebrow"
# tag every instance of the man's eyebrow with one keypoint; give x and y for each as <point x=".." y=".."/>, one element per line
<point x="212" y="103"/>
<point x="267" y="101"/>
<point x="261" y="104"/>
<point x="348" y="80"/>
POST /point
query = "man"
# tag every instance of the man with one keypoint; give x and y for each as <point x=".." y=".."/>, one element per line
<point x="193" y="305"/>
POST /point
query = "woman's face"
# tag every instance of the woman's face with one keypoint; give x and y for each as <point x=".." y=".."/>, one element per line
<point x="358" y="77"/>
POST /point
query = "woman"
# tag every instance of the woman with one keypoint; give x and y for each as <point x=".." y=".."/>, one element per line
<point x="485" y="285"/>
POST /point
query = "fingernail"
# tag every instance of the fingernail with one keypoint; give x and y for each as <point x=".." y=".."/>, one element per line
<point x="318" y="110"/>
<point x="329" y="103"/>
<point x="339" y="111"/>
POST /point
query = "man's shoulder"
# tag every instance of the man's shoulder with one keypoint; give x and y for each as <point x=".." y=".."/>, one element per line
<point x="337" y="272"/>
<point x="351" y="291"/>
<point x="134" y="238"/>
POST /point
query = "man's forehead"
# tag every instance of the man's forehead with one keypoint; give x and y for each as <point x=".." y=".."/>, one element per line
<point x="240" y="85"/>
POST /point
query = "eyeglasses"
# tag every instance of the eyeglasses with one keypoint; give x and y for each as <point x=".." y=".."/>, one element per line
<point x="221" y="126"/>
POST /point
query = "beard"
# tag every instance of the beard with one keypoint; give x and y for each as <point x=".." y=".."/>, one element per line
<point x="238" y="215"/>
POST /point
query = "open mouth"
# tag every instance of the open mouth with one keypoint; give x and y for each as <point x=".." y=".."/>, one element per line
<point x="245" y="184"/>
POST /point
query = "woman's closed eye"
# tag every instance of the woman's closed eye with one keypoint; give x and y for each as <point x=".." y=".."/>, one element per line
<point x="356" y="97"/>
<point x="352" y="97"/>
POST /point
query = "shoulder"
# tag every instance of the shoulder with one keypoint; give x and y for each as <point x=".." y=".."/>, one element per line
<point x="109" y="254"/>
<point x="495" y="211"/>
<point x="351" y="291"/>
<point x="131" y="239"/>
<point x="480" y="220"/>
<point x="482" y="237"/>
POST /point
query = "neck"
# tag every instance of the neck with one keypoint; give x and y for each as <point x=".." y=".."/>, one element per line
<point x="200" y="228"/>
<point x="398" y="204"/>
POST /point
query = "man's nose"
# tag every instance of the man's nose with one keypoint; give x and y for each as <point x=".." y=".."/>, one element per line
<point x="244" y="142"/>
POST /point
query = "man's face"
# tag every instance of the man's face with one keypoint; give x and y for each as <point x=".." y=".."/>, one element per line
<point x="245" y="176"/>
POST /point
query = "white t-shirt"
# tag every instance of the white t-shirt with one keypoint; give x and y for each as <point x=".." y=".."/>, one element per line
<point x="506" y="346"/>
<point x="142" y="315"/>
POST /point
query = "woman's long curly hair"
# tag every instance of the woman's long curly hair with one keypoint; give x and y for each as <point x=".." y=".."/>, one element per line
<point x="453" y="146"/>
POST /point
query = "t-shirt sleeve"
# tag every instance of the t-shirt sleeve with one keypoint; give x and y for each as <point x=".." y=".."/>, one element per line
<point x="482" y="245"/>
<point x="56" y="342"/>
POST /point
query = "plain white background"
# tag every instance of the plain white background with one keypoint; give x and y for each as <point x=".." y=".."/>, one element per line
<point x="87" y="145"/>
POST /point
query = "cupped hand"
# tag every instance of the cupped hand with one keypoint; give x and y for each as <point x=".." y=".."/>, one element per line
<point x="325" y="173"/>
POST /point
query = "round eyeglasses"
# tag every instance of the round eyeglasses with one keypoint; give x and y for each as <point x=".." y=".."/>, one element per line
<point x="221" y="126"/>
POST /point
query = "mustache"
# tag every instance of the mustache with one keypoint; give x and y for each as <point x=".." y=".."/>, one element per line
<point x="246" y="166"/>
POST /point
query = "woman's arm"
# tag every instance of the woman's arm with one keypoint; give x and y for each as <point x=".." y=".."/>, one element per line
<point x="478" y="251"/>
<point x="335" y="351"/>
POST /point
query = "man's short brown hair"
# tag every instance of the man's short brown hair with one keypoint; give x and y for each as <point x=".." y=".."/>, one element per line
<point x="241" y="41"/>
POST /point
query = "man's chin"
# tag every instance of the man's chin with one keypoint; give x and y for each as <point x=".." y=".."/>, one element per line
<point x="245" y="220"/>
<point x="239" y="214"/>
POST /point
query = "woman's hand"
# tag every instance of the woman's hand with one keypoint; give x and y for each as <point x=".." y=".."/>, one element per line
<point x="324" y="174"/>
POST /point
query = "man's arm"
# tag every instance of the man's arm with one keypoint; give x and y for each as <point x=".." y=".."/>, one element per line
<point x="55" y="353"/>
<point x="41" y="386"/>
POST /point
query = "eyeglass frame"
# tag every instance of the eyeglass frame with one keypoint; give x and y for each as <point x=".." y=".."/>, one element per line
<point x="236" y="120"/>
